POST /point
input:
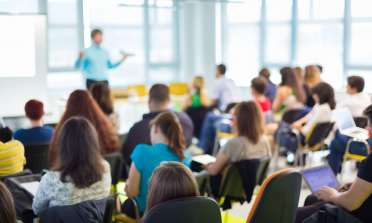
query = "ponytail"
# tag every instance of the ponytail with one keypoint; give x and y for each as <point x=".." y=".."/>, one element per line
<point x="169" y="125"/>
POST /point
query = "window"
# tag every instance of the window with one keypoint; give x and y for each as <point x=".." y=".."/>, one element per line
<point x="19" y="6"/>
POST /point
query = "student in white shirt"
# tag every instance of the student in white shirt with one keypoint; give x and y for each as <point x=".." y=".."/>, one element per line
<point x="325" y="102"/>
<point x="358" y="100"/>
<point x="225" y="91"/>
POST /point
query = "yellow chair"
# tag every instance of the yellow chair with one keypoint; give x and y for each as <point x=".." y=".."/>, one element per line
<point x="353" y="156"/>
<point x="178" y="89"/>
<point x="139" y="89"/>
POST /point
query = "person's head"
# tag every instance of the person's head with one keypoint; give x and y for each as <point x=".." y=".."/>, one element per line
<point x="300" y="74"/>
<point x="96" y="36"/>
<point x="258" y="86"/>
<point x="7" y="211"/>
<point x="249" y="121"/>
<point x="230" y="108"/>
<point x="320" y="68"/>
<point x="324" y="93"/>
<point x="198" y="84"/>
<point x="312" y="76"/>
<point x="289" y="79"/>
<point x="34" y="110"/>
<point x="265" y="73"/>
<point x="220" y="70"/>
<point x="79" y="156"/>
<point x="166" y="128"/>
<point x="159" y="97"/>
<point x="368" y="112"/>
<point x="101" y="93"/>
<point x="169" y="181"/>
<point x="81" y="103"/>
<point x="355" y="84"/>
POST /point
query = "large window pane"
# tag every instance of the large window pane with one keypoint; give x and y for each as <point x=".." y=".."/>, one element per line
<point x="328" y="9"/>
<point x="162" y="75"/>
<point x="278" y="44"/>
<point x="161" y="45"/>
<point x="304" y="9"/>
<point x="62" y="12"/>
<point x="130" y="40"/>
<point x="63" y="47"/>
<point x="160" y="16"/>
<point x="279" y="10"/>
<point x="103" y="15"/>
<point x="242" y="56"/>
<point x="244" y="12"/>
<point x="63" y="80"/>
<point x="322" y="44"/>
<point x="19" y="6"/>
<point x="361" y="8"/>
<point x="361" y="43"/>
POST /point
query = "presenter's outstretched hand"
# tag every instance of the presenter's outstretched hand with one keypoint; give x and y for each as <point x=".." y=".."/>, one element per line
<point x="124" y="57"/>
<point x="81" y="54"/>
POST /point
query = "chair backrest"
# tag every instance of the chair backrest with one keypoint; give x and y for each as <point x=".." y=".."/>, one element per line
<point x="116" y="162"/>
<point x="185" y="210"/>
<point x="178" y="88"/>
<point x="277" y="200"/>
<point x="122" y="138"/>
<point x="109" y="211"/>
<point x="23" y="173"/>
<point x="290" y="115"/>
<point x="197" y="116"/>
<point x="37" y="155"/>
<point x="361" y="122"/>
<point x="202" y="179"/>
<point x="231" y="184"/>
<point x="318" y="133"/>
<point x="139" y="89"/>
<point x="263" y="167"/>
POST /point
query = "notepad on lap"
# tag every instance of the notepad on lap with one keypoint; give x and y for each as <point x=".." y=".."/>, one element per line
<point x="204" y="159"/>
<point x="31" y="187"/>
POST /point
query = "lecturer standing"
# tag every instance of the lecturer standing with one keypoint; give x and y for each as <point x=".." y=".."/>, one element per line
<point x="95" y="61"/>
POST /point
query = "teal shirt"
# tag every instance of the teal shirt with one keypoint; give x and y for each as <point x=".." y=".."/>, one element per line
<point x="96" y="63"/>
<point x="146" y="158"/>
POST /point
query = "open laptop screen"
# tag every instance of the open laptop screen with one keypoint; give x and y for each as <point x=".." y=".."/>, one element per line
<point x="319" y="177"/>
<point x="343" y="119"/>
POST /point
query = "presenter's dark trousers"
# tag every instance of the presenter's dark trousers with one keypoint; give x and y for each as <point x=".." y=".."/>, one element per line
<point x="90" y="82"/>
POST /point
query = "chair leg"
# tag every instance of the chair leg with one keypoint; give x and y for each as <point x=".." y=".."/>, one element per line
<point x="344" y="160"/>
<point x="226" y="216"/>
<point x="276" y="151"/>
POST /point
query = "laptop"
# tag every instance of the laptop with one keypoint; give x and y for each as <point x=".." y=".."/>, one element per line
<point x="346" y="124"/>
<point x="318" y="177"/>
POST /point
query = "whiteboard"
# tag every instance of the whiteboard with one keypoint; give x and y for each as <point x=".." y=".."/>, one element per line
<point x="23" y="62"/>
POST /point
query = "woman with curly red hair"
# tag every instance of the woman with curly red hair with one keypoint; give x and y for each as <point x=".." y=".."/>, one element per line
<point x="81" y="103"/>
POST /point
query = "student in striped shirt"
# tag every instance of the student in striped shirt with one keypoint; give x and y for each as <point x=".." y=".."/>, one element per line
<point x="12" y="157"/>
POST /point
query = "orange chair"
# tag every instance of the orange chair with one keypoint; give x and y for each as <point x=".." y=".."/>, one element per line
<point x="277" y="200"/>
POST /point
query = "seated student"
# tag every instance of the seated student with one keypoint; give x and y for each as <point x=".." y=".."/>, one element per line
<point x="324" y="97"/>
<point x="209" y="127"/>
<point x="312" y="77"/>
<point x="12" y="157"/>
<point x="81" y="103"/>
<point x="271" y="88"/>
<point x="101" y="93"/>
<point x="7" y="211"/>
<point x="357" y="99"/>
<point x="355" y="197"/>
<point x="339" y="144"/>
<point x="38" y="132"/>
<point x="80" y="173"/>
<point x="168" y="144"/>
<point x="140" y="132"/>
<point x="250" y="142"/>
<point x="199" y="97"/>
<point x="170" y="181"/>
<point x="225" y="91"/>
<point x="258" y="87"/>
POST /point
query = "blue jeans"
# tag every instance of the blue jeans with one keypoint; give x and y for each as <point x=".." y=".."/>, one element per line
<point x="208" y="130"/>
<point x="338" y="149"/>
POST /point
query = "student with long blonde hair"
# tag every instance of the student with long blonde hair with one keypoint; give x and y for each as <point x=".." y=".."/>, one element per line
<point x="170" y="181"/>
<point x="168" y="144"/>
<point x="199" y="97"/>
<point x="312" y="78"/>
<point x="250" y="141"/>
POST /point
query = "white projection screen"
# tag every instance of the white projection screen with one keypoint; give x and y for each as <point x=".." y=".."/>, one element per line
<point x="23" y="62"/>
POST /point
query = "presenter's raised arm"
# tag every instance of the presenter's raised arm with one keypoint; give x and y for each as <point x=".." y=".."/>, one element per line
<point x="110" y="65"/>
<point x="79" y="60"/>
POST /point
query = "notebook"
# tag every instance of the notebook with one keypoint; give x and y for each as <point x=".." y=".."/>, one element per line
<point x="204" y="159"/>
<point x="30" y="187"/>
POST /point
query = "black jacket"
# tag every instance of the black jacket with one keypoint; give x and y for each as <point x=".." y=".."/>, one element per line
<point x="329" y="213"/>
